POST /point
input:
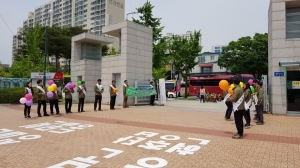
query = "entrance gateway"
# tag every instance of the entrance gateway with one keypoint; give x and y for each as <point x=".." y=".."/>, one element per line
<point x="132" y="64"/>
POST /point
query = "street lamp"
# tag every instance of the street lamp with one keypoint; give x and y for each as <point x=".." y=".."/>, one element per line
<point x="50" y="12"/>
<point x="176" y="76"/>
<point x="131" y="13"/>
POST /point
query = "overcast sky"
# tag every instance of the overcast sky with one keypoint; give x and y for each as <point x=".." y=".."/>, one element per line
<point x="220" y="21"/>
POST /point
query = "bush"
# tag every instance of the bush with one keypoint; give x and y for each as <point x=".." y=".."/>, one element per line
<point x="13" y="95"/>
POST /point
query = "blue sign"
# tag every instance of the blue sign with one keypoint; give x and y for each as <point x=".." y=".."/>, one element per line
<point x="279" y="74"/>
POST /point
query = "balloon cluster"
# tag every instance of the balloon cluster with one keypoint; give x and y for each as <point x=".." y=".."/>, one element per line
<point x="27" y="100"/>
<point x="250" y="81"/>
<point x="224" y="85"/>
<point x="70" y="85"/>
<point x="51" y="88"/>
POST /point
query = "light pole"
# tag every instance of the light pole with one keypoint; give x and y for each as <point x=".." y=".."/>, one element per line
<point x="50" y="12"/>
<point x="176" y="76"/>
<point x="131" y="13"/>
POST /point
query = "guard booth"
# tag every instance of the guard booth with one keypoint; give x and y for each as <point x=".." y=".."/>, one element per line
<point x="13" y="82"/>
<point x="57" y="77"/>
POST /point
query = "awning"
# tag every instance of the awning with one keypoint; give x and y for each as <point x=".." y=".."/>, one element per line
<point x="205" y="65"/>
<point x="286" y="64"/>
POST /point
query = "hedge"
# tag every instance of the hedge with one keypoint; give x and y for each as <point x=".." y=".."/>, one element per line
<point x="13" y="95"/>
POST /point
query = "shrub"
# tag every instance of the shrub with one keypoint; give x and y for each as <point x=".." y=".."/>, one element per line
<point x="13" y="95"/>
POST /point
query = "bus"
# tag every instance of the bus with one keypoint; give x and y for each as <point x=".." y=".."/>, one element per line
<point x="211" y="83"/>
<point x="170" y="86"/>
<point x="181" y="90"/>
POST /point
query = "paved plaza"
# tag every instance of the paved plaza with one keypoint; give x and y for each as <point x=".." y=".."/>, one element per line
<point x="181" y="134"/>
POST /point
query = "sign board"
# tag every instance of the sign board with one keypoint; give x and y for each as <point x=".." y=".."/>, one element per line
<point x="140" y="92"/>
<point x="49" y="75"/>
<point x="278" y="74"/>
<point x="296" y="85"/>
<point x="162" y="90"/>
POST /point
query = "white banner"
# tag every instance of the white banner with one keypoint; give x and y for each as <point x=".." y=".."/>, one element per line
<point x="162" y="90"/>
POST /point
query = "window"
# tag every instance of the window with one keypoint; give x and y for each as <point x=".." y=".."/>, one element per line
<point x="201" y="59"/>
<point x="217" y="48"/>
<point x="206" y="70"/>
<point x="293" y="23"/>
<point x="212" y="57"/>
<point x="217" y="51"/>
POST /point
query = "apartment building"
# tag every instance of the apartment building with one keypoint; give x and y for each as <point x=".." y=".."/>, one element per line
<point x="4" y="65"/>
<point x="92" y="15"/>
<point x="217" y="48"/>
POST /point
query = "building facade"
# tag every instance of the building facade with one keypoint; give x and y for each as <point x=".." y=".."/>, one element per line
<point x="207" y="63"/>
<point x="4" y="65"/>
<point x="284" y="57"/>
<point x="92" y="15"/>
<point x="217" y="48"/>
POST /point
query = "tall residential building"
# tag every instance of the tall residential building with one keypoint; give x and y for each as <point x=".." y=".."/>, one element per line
<point x="187" y="35"/>
<point x="217" y="48"/>
<point x="92" y="15"/>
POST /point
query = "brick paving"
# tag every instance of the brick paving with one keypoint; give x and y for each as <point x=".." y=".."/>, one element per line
<point x="275" y="144"/>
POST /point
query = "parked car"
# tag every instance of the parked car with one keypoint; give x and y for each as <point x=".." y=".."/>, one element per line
<point x="171" y="94"/>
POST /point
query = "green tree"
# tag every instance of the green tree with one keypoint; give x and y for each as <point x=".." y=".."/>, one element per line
<point x="113" y="51"/>
<point x="184" y="51"/>
<point x="246" y="55"/>
<point x="4" y="73"/>
<point x="159" y="44"/>
<point x="158" y="73"/>
<point x="105" y="49"/>
<point x="33" y="61"/>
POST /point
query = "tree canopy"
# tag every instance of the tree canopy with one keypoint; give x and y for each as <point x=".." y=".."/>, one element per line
<point x="159" y="44"/>
<point x="184" y="51"/>
<point x="246" y="55"/>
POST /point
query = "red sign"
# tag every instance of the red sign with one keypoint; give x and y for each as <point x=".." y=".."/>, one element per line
<point x="58" y="76"/>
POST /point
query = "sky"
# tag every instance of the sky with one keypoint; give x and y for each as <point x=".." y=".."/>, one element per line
<point x="220" y="21"/>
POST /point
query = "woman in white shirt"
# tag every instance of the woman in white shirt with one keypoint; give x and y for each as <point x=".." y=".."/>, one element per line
<point x="202" y="94"/>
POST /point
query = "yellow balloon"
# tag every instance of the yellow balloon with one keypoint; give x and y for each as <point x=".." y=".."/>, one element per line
<point x="54" y="87"/>
<point x="241" y="84"/>
<point x="232" y="86"/>
<point x="50" y="88"/>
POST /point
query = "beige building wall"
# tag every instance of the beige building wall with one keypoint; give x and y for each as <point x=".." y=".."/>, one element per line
<point x="281" y="50"/>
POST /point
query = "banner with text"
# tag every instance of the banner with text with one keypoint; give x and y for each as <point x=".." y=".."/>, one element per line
<point x="140" y="92"/>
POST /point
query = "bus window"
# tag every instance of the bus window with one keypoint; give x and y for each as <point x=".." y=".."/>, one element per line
<point x="170" y="86"/>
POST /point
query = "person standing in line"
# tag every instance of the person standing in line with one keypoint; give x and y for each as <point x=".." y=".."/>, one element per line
<point x="238" y="107"/>
<point x="248" y="101"/>
<point x="125" y="97"/>
<point x="260" y="102"/>
<point x="202" y="94"/>
<point x="68" y="98"/>
<point x="99" y="89"/>
<point x="152" y="97"/>
<point x="28" y="90"/>
<point x="81" y="95"/>
<point x="228" y="104"/>
<point x="41" y="96"/>
<point x="113" y="94"/>
<point x="54" y="102"/>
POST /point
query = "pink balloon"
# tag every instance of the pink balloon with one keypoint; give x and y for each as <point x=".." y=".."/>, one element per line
<point x="49" y="94"/>
<point x="73" y="85"/>
<point x="23" y="100"/>
<point x="28" y="96"/>
<point x="29" y="103"/>
<point x="50" y="82"/>
<point x="250" y="81"/>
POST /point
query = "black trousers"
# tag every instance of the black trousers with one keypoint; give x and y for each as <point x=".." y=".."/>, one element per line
<point x="27" y="110"/>
<point x="152" y="98"/>
<point x="260" y="113"/>
<point x="98" y="99"/>
<point x="247" y="116"/>
<point x="80" y="104"/>
<point x="55" y="104"/>
<point x="68" y="105"/>
<point x="229" y="109"/>
<point x="239" y="123"/>
<point x="40" y="103"/>
<point x="202" y="98"/>
<point x="112" y="101"/>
